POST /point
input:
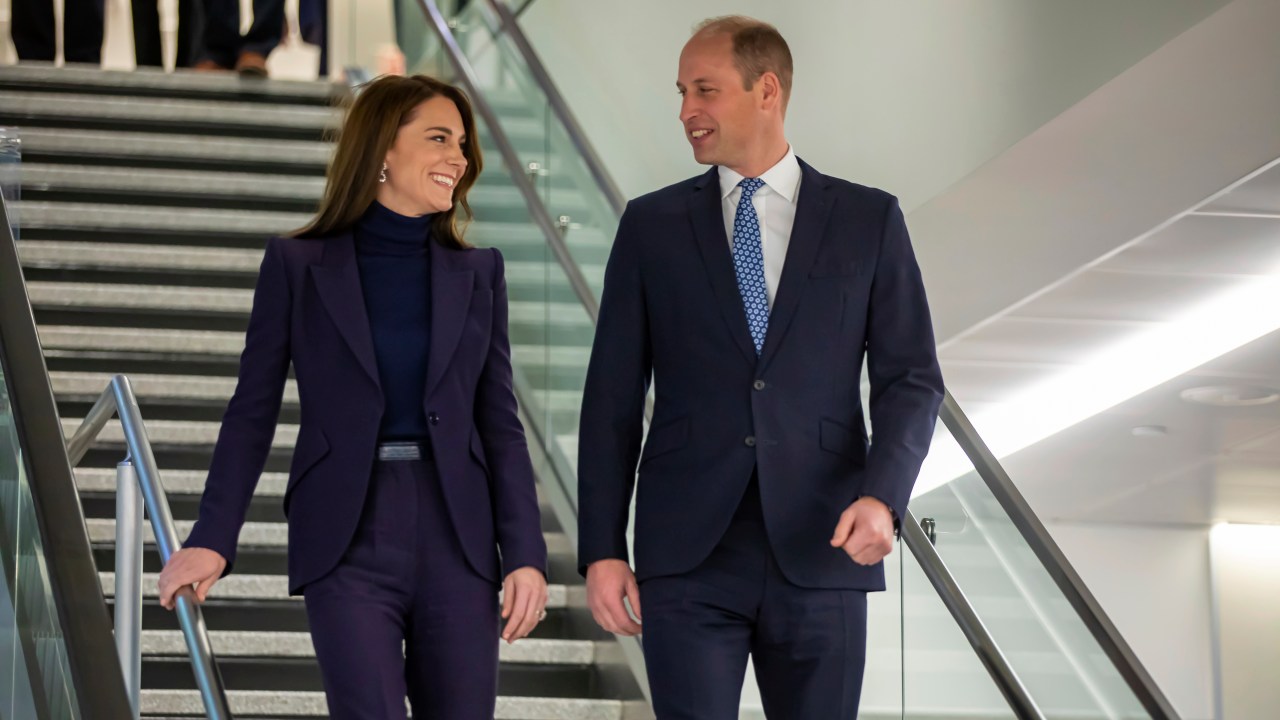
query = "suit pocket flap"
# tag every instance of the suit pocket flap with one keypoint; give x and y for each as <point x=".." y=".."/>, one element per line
<point x="670" y="435"/>
<point x="835" y="437"/>
<point x="311" y="448"/>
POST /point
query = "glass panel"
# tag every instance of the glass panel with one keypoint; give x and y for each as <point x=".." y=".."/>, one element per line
<point x="550" y="329"/>
<point x="1040" y="634"/>
<point x="10" y="173"/>
<point x="35" y="678"/>
<point x="568" y="188"/>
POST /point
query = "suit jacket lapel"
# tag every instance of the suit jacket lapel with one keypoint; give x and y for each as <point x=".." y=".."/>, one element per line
<point x="450" y="302"/>
<point x="707" y="217"/>
<point x="337" y="279"/>
<point x="812" y="211"/>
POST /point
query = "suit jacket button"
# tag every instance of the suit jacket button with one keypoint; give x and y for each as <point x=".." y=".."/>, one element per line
<point x="758" y="385"/>
<point x="434" y="419"/>
<point x="750" y="441"/>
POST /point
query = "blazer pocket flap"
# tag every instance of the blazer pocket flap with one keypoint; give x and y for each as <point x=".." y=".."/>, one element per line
<point x="834" y="269"/>
<point x="664" y="438"/>
<point x="311" y="448"/>
<point x="835" y="437"/>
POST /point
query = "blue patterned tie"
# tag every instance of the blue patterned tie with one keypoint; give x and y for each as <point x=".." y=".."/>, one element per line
<point x="748" y="262"/>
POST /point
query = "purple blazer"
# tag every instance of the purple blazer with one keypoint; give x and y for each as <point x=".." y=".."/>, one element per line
<point x="308" y="309"/>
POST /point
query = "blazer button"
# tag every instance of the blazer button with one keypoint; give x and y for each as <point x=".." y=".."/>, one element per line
<point x="434" y="419"/>
<point x="750" y="441"/>
<point x="758" y="385"/>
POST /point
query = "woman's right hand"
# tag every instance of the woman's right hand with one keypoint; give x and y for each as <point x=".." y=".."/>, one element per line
<point x="197" y="566"/>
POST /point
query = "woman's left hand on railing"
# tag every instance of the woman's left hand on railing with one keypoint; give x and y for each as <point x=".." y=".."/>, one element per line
<point x="196" y="566"/>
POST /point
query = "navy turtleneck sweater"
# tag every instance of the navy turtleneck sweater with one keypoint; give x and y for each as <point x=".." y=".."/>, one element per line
<point x="395" y="276"/>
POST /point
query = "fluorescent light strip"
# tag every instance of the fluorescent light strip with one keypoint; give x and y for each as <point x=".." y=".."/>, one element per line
<point x="1131" y="367"/>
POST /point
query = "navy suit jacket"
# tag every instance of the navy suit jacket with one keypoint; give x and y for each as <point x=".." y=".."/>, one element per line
<point x="850" y="289"/>
<point x="308" y="309"/>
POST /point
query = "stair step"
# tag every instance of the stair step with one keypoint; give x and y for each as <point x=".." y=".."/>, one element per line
<point x="264" y="534"/>
<point x="152" y="220"/>
<point x="207" y="184"/>
<point x="529" y="279"/>
<point x="167" y="114"/>
<point x="312" y="704"/>
<point x="178" y="432"/>
<point x="155" y="82"/>
<point x="175" y="482"/>
<point x="171" y="299"/>
<point x="149" y="386"/>
<point x="276" y="587"/>
<point x="495" y="200"/>
<point x="249" y="644"/>
<point x="212" y="342"/>
<point x="173" y="150"/>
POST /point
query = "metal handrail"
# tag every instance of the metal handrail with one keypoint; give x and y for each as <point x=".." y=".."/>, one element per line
<point x="541" y="217"/>
<point x="558" y="105"/>
<point x="1055" y="562"/>
<point x="119" y="399"/>
<point x="82" y="616"/>
<point x="966" y="617"/>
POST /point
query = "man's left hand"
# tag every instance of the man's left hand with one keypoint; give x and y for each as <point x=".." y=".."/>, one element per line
<point x="865" y="531"/>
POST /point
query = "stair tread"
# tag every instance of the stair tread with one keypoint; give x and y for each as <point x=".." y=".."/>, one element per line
<point x="266" y="534"/>
<point x="89" y="77"/>
<point x="276" y="588"/>
<point x="254" y="644"/>
<point x="299" y="703"/>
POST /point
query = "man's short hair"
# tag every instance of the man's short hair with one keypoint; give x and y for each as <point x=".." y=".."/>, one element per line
<point x="758" y="48"/>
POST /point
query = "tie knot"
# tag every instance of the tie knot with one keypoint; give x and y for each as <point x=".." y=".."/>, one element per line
<point x="750" y="186"/>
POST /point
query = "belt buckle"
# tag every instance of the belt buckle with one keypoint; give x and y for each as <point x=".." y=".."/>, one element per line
<point x="400" y="451"/>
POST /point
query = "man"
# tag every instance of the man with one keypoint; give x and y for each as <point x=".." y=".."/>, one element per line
<point x="224" y="48"/>
<point x="752" y="294"/>
<point x="34" y="31"/>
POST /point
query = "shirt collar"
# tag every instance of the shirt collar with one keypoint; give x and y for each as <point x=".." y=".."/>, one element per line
<point x="783" y="178"/>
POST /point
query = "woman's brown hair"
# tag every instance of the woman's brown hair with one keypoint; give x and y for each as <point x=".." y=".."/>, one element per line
<point x="368" y="132"/>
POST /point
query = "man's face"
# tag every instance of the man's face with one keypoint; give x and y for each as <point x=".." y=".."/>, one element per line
<point x="721" y="120"/>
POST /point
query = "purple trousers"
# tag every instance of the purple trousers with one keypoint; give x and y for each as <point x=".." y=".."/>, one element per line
<point x="403" y="614"/>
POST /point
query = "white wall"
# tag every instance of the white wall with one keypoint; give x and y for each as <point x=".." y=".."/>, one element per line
<point x="1154" y="585"/>
<point x="910" y="95"/>
<point x="1246" y="573"/>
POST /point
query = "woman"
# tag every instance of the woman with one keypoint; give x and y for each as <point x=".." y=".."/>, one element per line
<point x="411" y="469"/>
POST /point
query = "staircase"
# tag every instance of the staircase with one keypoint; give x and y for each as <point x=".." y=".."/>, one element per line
<point x="146" y="200"/>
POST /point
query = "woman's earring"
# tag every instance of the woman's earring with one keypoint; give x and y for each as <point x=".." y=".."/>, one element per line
<point x="382" y="176"/>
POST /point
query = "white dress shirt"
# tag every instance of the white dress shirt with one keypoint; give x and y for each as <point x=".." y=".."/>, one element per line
<point x="775" y="205"/>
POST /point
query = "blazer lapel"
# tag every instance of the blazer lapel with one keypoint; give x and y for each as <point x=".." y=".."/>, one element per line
<point x="708" y="225"/>
<point x="337" y="278"/>
<point x="812" y="211"/>
<point x="450" y="302"/>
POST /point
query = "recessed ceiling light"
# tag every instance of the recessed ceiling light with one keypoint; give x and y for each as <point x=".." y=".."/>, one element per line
<point x="1230" y="395"/>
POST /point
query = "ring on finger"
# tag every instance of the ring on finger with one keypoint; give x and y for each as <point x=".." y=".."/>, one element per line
<point x="542" y="615"/>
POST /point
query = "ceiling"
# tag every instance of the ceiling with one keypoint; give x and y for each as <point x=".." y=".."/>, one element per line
<point x="1212" y="463"/>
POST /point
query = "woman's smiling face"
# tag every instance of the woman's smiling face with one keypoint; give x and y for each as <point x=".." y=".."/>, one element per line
<point x="426" y="161"/>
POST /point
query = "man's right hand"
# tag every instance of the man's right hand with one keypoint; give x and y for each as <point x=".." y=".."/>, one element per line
<point x="608" y="582"/>
<point x="190" y="566"/>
